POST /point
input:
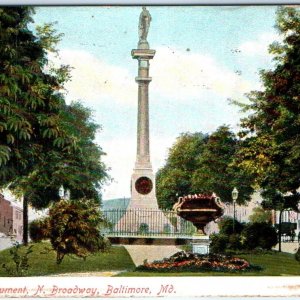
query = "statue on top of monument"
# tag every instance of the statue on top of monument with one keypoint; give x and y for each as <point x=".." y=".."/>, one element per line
<point x="144" y="24"/>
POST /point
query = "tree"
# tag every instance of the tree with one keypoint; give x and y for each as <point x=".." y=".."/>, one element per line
<point x="81" y="170"/>
<point x="260" y="215"/>
<point x="215" y="171"/>
<point x="73" y="227"/>
<point x="30" y="101"/>
<point x="174" y="179"/>
<point x="199" y="163"/>
<point x="270" y="149"/>
<point x="43" y="142"/>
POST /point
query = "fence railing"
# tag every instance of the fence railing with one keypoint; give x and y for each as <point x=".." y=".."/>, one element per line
<point x="147" y="223"/>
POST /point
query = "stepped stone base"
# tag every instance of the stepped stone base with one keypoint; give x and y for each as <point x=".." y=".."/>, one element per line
<point x="200" y="244"/>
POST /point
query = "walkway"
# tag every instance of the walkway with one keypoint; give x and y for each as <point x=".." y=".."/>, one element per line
<point x="139" y="253"/>
<point x="5" y="243"/>
<point x="88" y="274"/>
<point x="290" y="247"/>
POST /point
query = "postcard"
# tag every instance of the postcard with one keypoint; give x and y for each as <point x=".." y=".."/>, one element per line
<point x="149" y="151"/>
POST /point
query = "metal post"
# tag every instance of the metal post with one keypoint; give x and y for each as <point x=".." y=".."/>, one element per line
<point x="234" y="194"/>
<point x="233" y="216"/>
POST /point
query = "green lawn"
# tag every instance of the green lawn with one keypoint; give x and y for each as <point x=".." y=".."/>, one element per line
<point x="43" y="262"/>
<point x="274" y="264"/>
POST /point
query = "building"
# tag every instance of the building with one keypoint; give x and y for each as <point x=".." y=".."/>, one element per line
<point x="11" y="218"/>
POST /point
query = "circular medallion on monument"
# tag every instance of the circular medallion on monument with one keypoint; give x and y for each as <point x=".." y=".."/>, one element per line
<point x="144" y="185"/>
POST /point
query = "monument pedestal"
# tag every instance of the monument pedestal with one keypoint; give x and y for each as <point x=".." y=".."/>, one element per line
<point x="143" y="194"/>
<point x="200" y="244"/>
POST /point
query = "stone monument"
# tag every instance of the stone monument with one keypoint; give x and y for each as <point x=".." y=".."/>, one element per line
<point x="143" y="194"/>
<point x="143" y="181"/>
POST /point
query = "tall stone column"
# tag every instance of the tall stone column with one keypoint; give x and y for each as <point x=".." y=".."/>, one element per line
<point x="143" y="193"/>
<point x="143" y="80"/>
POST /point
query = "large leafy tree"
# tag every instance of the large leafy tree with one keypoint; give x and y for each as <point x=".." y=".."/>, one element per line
<point x="199" y="163"/>
<point x="174" y="179"/>
<point x="81" y="170"/>
<point x="38" y="131"/>
<point x="30" y="101"/>
<point x="215" y="171"/>
<point x="271" y="132"/>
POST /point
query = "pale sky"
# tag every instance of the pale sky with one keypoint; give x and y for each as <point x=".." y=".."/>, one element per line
<point x="204" y="56"/>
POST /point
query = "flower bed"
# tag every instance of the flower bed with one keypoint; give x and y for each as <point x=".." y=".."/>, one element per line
<point x="185" y="261"/>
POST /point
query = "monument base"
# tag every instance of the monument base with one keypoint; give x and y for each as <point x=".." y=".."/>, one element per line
<point x="200" y="244"/>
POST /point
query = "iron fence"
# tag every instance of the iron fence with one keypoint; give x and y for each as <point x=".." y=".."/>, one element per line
<point x="147" y="223"/>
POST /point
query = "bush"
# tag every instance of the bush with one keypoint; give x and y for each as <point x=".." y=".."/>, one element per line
<point x="221" y="243"/>
<point x="218" y="243"/>
<point x="73" y="227"/>
<point x="39" y="230"/>
<point x="259" y="235"/>
<point x="20" y="260"/>
<point x="253" y="235"/>
<point x="144" y="228"/>
<point x="297" y="255"/>
<point x="234" y="242"/>
<point x="226" y="226"/>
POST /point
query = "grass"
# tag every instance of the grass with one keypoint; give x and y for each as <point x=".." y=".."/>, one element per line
<point x="273" y="264"/>
<point x="42" y="262"/>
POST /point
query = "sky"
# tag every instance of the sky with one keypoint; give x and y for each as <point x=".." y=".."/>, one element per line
<point x="205" y="56"/>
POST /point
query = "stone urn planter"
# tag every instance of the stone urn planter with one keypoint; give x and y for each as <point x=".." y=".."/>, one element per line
<point x="200" y="209"/>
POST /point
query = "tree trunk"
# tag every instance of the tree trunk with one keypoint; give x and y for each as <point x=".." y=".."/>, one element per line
<point x="25" y="220"/>
<point x="279" y="230"/>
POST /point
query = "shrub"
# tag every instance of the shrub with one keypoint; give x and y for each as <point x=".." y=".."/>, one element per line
<point x="167" y="228"/>
<point x="144" y="228"/>
<point x="297" y="255"/>
<point x="234" y="242"/>
<point x="74" y="227"/>
<point x="39" y="229"/>
<point x="218" y="243"/>
<point x="226" y="226"/>
<point x="221" y="243"/>
<point x="20" y="260"/>
<point x="259" y="235"/>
